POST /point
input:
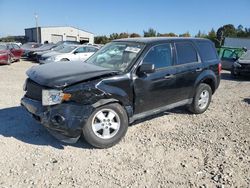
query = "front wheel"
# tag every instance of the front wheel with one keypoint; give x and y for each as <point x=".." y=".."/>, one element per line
<point x="106" y="126"/>
<point x="9" y="60"/>
<point x="201" y="99"/>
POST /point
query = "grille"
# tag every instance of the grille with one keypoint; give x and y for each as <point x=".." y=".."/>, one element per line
<point x="34" y="90"/>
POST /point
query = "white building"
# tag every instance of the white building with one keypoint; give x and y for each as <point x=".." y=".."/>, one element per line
<point x="56" y="34"/>
<point x="237" y="42"/>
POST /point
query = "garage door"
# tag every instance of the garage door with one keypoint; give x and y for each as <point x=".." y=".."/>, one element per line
<point x="71" y="38"/>
<point x="84" y="40"/>
<point x="56" y="38"/>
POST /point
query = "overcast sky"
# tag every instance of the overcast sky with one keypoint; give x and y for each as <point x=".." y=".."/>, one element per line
<point x="105" y="17"/>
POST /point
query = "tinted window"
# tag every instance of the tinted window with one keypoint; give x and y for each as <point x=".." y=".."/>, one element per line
<point x="207" y="51"/>
<point x="15" y="46"/>
<point x="186" y="53"/>
<point x="81" y="50"/>
<point x="3" y="47"/>
<point x="159" y="55"/>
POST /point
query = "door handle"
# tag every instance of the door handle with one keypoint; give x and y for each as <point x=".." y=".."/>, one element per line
<point x="198" y="70"/>
<point x="169" y="76"/>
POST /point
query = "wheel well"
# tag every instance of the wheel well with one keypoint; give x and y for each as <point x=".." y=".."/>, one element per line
<point x="64" y="59"/>
<point x="103" y="102"/>
<point x="210" y="82"/>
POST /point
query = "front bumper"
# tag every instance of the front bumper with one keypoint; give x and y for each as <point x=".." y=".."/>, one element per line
<point x="244" y="69"/>
<point x="64" y="121"/>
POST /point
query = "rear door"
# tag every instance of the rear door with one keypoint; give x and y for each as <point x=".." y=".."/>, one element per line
<point x="156" y="89"/>
<point x="188" y="68"/>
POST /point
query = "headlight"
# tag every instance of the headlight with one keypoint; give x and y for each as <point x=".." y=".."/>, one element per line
<point x="53" y="96"/>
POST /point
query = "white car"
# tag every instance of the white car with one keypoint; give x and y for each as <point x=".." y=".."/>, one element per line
<point x="71" y="53"/>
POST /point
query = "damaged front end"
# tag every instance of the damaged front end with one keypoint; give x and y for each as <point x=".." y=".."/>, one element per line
<point x="63" y="121"/>
<point x="63" y="118"/>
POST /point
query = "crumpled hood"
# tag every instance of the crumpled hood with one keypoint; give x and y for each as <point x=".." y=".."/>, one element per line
<point x="61" y="74"/>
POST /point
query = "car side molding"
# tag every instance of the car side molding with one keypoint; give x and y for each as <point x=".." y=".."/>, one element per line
<point x="160" y="109"/>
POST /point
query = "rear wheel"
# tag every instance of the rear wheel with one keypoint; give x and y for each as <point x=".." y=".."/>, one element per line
<point x="201" y="99"/>
<point x="106" y="126"/>
<point x="233" y="73"/>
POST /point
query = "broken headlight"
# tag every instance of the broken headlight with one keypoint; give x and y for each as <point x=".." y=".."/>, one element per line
<point x="51" y="97"/>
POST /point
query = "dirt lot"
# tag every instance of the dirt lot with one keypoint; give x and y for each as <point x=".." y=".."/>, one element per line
<point x="174" y="149"/>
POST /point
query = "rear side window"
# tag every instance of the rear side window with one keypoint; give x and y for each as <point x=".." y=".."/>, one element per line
<point x="207" y="51"/>
<point x="160" y="56"/>
<point x="186" y="53"/>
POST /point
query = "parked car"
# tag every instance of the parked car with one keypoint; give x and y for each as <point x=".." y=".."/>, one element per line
<point x="242" y="65"/>
<point x="71" y="53"/>
<point x="100" y="98"/>
<point x="9" y="53"/>
<point x="28" y="46"/>
<point x="32" y="54"/>
<point x="229" y="55"/>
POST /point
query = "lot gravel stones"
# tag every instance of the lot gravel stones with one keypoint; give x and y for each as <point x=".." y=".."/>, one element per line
<point x="173" y="149"/>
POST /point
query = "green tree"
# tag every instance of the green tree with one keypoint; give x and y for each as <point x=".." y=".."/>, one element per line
<point x="101" y="39"/>
<point x="187" y="34"/>
<point x="134" y="35"/>
<point x="150" y="33"/>
<point x="123" y="35"/>
<point x="114" y="36"/>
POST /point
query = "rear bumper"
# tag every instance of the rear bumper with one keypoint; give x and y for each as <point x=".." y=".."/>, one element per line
<point x="64" y="121"/>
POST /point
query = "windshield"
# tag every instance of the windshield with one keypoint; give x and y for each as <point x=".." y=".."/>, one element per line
<point x="116" y="55"/>
<point x="57" y="48"/>
<point x="67" y="49"/>
<point x="3" y="47"/>
<point x="246" y="56"/>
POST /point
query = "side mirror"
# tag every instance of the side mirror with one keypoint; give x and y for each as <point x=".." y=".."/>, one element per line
<point x="147" y="68"/>
<point x="75" y="52"/>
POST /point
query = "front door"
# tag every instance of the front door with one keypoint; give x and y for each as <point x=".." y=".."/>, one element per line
<point x="156" y="89"/>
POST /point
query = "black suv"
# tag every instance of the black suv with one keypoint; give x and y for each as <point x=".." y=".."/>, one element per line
<point x="126" y="80"/>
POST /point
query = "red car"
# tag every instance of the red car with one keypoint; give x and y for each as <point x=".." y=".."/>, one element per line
<point x="9" y="53"/>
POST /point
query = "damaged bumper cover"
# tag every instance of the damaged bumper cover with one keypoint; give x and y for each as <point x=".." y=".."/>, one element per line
<point x="63" y="121"/>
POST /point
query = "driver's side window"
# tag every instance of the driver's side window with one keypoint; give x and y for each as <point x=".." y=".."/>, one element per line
<point x="160" y="56"/>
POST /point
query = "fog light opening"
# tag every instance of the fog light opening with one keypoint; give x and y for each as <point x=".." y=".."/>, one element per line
<point x="58" y="119"/>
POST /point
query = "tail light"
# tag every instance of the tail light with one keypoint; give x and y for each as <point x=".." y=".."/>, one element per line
<point x="219" y="68"/>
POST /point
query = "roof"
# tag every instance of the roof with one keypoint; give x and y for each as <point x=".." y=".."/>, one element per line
<point x="60" y="26"/>
<point x="148" y="40"/>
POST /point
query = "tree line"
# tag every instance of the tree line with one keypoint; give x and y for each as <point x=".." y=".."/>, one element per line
<point x="218" y="37"/>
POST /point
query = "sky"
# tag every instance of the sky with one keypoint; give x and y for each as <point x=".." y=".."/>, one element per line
<point x="103" y="17"/>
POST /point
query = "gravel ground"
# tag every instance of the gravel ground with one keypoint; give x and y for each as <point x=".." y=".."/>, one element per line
<point x="174" y="149"/>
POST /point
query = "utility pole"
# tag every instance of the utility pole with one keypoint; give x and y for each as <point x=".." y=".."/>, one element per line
<point x="37" y="32"/>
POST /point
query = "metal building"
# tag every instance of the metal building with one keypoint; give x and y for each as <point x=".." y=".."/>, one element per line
<point x="56" y="34"/>
<point x="237" y="42"/>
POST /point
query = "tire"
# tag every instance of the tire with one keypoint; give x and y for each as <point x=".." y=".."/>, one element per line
<point x="9" y="60"/>
<point x="201" y="99"/>
<point x="233" y="73"/>
<point x="105" y="131"/>
<point x="64" y="59"/>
